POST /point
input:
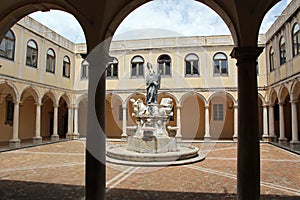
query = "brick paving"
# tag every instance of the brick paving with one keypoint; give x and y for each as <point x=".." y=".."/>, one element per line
<point x="56" y="171"/>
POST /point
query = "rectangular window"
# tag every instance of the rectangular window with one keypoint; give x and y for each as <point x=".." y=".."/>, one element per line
<point x="218" y="112"/>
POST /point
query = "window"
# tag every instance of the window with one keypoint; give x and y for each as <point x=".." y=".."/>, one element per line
<point x="7" y="46"/>
<point x="50" y="62"/>
<point x="282" y="51"/>
<point x="164" y="65"/>
<point x="9" y="110"/>
<point x="137" y="66"/>
<point x="191" y="65"/>
<point x="257" y="67"/>
<point x="66" y="67"/>
<point x="112" y="69"/>
<point x="296" y="39"/>
<point x="84" y="70"/>
<point x="220" y="64"/>
<point x="271" y="57"/>
<point x="32" y="54"/>
<point x="218" y="112"/>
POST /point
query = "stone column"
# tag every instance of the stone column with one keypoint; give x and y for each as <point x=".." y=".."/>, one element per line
<point x="207" y="131"/>
<point x="70" y="135"/>
<point x="15" y="142"/>
<point x="76" y="133"/>
<point x="37" y="138"/>
<point x="124" y="123"/>
<point x="265" y="135"/>
<point x="248" y="161"/>
<point x="235" y="123"/>
<point x="271" y="123"/>
<point x="178" y="124"/>
<point x="282" y="138"/>
<point x="295" y="144"/>
<point x="55" y="136"/>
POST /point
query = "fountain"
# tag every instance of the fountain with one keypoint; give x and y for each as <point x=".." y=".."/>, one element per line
<point x="151" y="142"/>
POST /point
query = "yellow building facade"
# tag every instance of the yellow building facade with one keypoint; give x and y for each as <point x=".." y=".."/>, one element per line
<point x="44" y="82"/>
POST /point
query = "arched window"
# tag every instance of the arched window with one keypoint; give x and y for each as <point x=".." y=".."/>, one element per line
<point x="296" y="39"/>
<point x="32" y="54"/>
<point x="137" y="66"/>
<point x="84" y="70"/>
<point x="50" y="62"/>
<point x="112" y="69"/>
<point x="66" y="67"/>
<point x="191" y="65"/>
<point x="220" y="64"/>
<point x="282" y="51"/>
<point x="164" y="64"/>
<point x="7" y="46"/>
<point x="271" y="59"/>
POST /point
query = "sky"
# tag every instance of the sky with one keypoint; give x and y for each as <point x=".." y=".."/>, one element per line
<point x="157" y="18"/>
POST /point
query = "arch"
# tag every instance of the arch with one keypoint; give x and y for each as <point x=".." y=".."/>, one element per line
<point x="295" y="90"/>
<point x="262" y="99"/>
<point x="134" y="94"/>
<point x="66" y="97"/>
<point x="32" y="91"/>
<point x="218" y="8"/>
<point x="273" y="97"/>
<point x="79" y="99"/>
<point x="221" y="93"/>
<point x="192" y="93"/>
<point x="51" y="95"/>
<point x="282" y="93"/>
<point x="16" y="11"/>
<point x="14" y="89"/>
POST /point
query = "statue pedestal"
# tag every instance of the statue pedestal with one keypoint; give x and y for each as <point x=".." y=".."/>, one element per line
<point x="151" y="144"/>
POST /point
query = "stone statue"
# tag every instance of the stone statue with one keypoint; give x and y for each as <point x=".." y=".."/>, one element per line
<point x="152" y="84"/>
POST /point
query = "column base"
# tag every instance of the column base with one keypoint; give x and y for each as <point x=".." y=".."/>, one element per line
<point x="235" y="138"/>
<point x="283" y="141"/>
<point x="54" y="138"/>
<point x="207" y="138"/>
<point x="178" y="138"/>
<point x="37" y="140"/>
<point x="273" y="139"/>
<point x="124" y="138"/>
<point x="15" y="143"/>
<point x="72" y="136"/>
<point x="295" y="145"/>
<point x="266" y="138"/>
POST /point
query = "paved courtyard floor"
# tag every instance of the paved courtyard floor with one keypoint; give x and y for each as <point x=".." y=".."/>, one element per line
<point x="56" y="171"/>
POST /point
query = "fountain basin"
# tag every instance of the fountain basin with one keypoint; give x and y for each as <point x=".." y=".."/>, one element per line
<point x="185" y="154"/>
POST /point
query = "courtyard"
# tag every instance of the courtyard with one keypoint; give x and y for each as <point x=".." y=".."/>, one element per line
<point x="57" y="171"/>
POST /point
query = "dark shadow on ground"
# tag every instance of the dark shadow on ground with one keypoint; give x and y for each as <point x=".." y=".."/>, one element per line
<point x="22" y="190"/>
<point x="126" y="194"/>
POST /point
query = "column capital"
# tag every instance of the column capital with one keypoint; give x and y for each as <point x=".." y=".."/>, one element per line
<point x="179" y="106"/>
<point x="294" y="101"/>
<point x="246" y="54"/>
